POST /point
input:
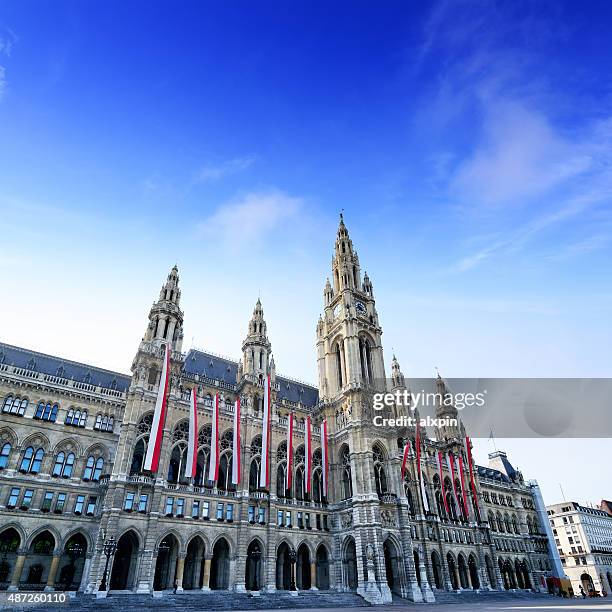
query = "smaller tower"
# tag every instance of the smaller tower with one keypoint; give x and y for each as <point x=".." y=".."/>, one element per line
<point x="256" y="347"/>
<point x="397" y="378"/>
<point x="165" y="316"/>
<point x="445" y="409"/>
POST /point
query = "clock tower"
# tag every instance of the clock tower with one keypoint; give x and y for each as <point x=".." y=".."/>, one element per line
<point x="349" y="348"/>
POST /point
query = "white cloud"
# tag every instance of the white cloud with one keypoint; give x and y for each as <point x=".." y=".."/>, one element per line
<point x="251" y="217"/>
<point x="210" y="172"/>
<point x="519" y="158"/>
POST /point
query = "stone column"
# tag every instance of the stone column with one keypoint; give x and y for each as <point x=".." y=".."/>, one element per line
<point x="85" y="574"/>
<point x="313" y="576"/>
<point x="180" y="569"/>
<point x="206" y="581"/>
<point x="16" y="577"/>
<point x="53" y="571"/>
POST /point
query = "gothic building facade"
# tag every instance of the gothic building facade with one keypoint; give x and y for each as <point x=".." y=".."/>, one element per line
<point x="73" y="440"/>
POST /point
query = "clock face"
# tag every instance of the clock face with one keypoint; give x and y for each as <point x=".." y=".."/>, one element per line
<point x="360" y="306"/>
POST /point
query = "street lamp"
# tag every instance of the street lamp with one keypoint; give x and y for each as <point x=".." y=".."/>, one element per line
<point x="256" y="556"/>
<point x="108" y="548"/>
<point x="292" y="560"/>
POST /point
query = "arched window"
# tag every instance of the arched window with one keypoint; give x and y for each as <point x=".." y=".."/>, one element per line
<point x="281" y="480"/>
<point x="69" y="417"/>
<point x="8" y="404"/>
<point x="408" y="492"/>
<point x="98" y="469"/>
<point x="317" y="485"/>
<point x="83" y="419"/>
<point x="59" y="464"/>
<point x="347" y="480"/>
<point x="143" y="430"/>
<point x="254" y="474"/>
<point x="224" y="482"/>
<point x="365" y="359"/>
<point x="64" y="465"/>
<point x="89" y="465"/>
<point x="4" y="455"/>
<point x="339" y="350"/>
<point x="46" y="412"/>
<point x="32" y="460"/>
<point x="40" y="409"/>
<point x="98" y="423"/>
<point x="379" y="470"/>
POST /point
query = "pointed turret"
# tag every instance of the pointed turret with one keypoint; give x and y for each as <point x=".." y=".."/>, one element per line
<point x="256" y="347"/>
<point x="328" y="293"/>
<point x="165" y="316"/>
<point x="397" y="378"/>
<point x="367" y="285"/>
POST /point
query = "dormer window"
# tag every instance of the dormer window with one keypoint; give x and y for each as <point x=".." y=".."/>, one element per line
<point x="61" y="372"/>
<point x="31" y="364"/>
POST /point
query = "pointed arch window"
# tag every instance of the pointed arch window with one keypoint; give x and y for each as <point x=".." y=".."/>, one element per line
<point x="32" y="460"/>
<point x="4" y="455"/>
<point x="379" y="470"/>
<point x="347" y="479"/>
<point x="64" y="464"/>
<point x="14" y="405"/>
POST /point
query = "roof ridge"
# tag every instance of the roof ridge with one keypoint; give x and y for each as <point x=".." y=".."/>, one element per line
<point x="213" y="354"/>
<point x="68" y="361"/>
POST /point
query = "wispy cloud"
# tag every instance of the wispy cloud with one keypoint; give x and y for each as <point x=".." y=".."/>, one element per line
<point x="210" y="173"/>
<point x="7" y="41"/>
<point x="520" y="156"/>
<point x="251" y="217"/>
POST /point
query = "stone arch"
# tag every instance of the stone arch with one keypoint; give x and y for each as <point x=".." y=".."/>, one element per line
<point x="283" y="566"/>
<point x="193" y="574"/>
<point x="322" y="565"/>
<point x="7" y="434"/>
<point x="51" y="529"/>
<point x="66" y="443"/>
<point x="302" y="567"/>
<point x="167" y="549"/>
<point x="123" y="572"/>
<point x="253" y="572"/>
<point x="473" y="571"/>
<point x="11" y="539"/>
<point x="173" y="532"/>
<point x="436" y="566"/>
<point x="75" y="548"/>
<point x="453" y="572"/>
<point x="75" y="531"/>
<point x="220" y="565"/>
<point x="41" y="546"/>
<point x="463" y="571"/>
<point x="37" y="440"/>
<point x="393" y="564"/>
<point x="349" y="564"/>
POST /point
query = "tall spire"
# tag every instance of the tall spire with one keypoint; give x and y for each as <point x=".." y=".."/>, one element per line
<point x="345" y="263"/>
<point x="165" y="316"/>
<point x="256" y="348"/>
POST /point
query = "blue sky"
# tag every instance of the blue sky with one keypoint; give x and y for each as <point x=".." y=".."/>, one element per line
<point x="469" y="144"/>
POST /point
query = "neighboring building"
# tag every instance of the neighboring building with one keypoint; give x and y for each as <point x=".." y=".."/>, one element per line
<point x="73" y="439"/>
<point x="606" y="506"/>
<point x="583" y="537"/>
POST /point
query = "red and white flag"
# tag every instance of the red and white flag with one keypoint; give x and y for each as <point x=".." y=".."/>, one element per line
<point x="288" y="477"/>
<point x="236" y="459"/>
<point x="308" y="455"/>
<point x="192" y="451"/>
<point x="324" y="451"/>
<point x="213" y="469"/>
<point x="418" y="454"/>
<point x="442" y="483"/>
<point x="468" y="447"/>
<point x="463" y="491"/>
<point x="405" y="458"/>
<point x="451" y="468"/>
<point x="264" y="469"/>
<point x="151" y="462"/>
